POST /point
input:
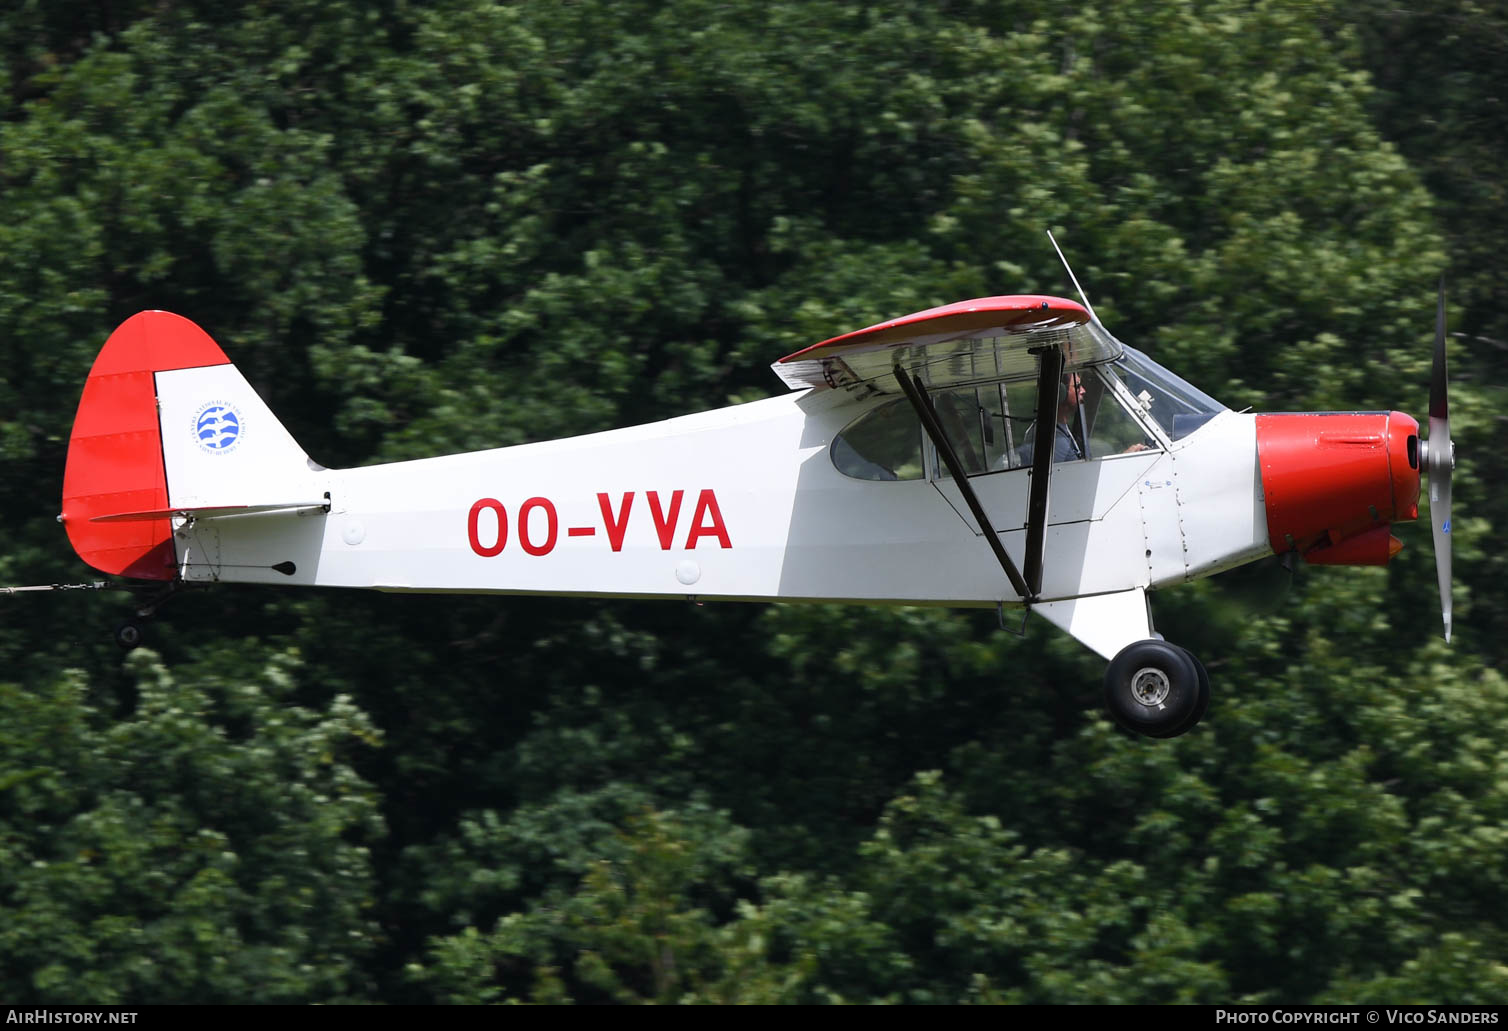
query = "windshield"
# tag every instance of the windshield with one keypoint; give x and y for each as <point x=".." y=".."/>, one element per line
<point x="1178" y="407"/>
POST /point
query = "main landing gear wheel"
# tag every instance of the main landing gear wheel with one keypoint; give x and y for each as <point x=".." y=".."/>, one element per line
<point x="1156" y="689"/>
<point x="1203" y="705"/>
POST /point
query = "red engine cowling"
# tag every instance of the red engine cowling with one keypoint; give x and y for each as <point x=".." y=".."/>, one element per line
<point x="1334" y="482"/>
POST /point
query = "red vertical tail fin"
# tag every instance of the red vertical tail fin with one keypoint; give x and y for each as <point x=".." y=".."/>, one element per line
<point x="115" y="455"/>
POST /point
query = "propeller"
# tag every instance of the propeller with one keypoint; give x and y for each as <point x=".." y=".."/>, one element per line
<point x="1438" y="459"/>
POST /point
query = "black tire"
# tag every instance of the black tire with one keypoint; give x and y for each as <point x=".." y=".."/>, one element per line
<point x="1200" y="707"/>
<point x="1204" y="687"/>
<point x="1153" y="688"/>
<point x="129" y="635"/>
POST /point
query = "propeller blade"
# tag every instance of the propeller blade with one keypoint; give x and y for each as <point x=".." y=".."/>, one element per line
<point x="1439" y="403"/>
<point x="1441" y="461"/>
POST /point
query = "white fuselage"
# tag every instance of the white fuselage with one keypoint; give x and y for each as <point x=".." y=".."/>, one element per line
<point x="738" y="503"/>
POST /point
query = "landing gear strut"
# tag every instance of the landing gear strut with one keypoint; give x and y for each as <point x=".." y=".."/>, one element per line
<point x="1156" y="689"/>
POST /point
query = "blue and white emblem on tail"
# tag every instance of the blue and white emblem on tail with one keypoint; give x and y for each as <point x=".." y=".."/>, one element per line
<point x="217" y="427"/>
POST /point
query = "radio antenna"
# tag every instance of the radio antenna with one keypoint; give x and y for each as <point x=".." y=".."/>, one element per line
<point x="1082" y="295"/>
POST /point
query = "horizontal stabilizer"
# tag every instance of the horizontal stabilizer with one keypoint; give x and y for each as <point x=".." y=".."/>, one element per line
<point x="215" y="511"/>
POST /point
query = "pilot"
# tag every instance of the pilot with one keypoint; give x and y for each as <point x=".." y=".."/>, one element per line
<point x="1065" y="446"/>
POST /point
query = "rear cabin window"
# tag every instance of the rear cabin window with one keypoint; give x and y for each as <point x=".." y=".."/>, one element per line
<point x="883" y="444"/>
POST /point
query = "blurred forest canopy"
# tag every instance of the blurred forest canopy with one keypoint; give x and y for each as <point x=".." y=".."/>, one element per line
<point x="422" y="228"/>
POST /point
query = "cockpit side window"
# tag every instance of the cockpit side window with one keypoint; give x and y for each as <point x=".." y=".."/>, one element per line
<point x="977" y="425"/>
<point x="1112" y="430"/>
<point x="992" y="427"/>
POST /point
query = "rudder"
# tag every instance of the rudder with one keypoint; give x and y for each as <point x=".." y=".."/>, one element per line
<point x="166" y="424"/>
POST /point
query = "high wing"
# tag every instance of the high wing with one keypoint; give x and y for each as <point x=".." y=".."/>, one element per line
<point x="987" y="338"/>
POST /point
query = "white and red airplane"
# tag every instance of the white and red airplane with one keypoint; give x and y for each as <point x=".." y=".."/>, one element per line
<point x="903" y="467"/>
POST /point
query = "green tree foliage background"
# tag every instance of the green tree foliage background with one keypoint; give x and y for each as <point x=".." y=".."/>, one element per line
<point x="437" y="227"/>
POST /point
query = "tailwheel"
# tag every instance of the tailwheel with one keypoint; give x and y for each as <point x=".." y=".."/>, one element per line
<point x="1156" y="689"/>
<point x="129" y="634"/>
<point x="132" y="631"/>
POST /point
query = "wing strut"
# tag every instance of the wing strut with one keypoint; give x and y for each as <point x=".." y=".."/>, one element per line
<point x="917" y="395"/>
<point x="1042" y="457"/>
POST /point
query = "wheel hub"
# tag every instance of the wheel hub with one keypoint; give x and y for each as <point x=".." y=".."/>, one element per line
<point x="1150" y="686"/>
